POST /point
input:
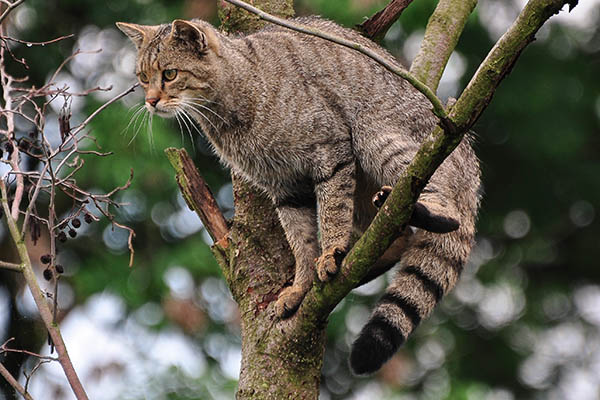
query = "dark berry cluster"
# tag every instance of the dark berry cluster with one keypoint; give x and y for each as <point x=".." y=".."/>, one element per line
<point x="47" y="259"/>
<point x="75" y="224"/>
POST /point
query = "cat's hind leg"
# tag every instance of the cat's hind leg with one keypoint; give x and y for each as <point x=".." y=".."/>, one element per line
<point x="335" y="202"/>
<point x="299" y="221"/>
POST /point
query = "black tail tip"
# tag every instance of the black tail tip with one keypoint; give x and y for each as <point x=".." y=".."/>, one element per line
<point x="369" y="353"/>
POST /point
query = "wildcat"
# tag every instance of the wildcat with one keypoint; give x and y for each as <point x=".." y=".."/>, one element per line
<point x="320" y="128"/>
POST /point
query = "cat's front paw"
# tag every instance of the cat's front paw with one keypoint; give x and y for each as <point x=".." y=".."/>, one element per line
<point x="329" y="263"/>
<point x="288" y="301"/>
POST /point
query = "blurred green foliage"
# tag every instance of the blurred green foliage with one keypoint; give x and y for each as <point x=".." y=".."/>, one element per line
<point x="537" y="252"/>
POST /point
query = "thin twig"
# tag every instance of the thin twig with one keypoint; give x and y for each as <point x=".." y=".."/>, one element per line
<point x="14" y="383"/>
<point x="4" y="349"/>
<point x="129" y="241"/>
<point x="80" y="127"/>
<point x="25" y="42"/>
<point x="33" y="199"/>
<point x="40" y="301"/>
<point x="11" y="7"/>
<point x="11" y="266"/>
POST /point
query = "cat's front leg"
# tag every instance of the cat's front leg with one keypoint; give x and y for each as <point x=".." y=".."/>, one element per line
<point x="335" y="202"/>
<point x="299" y="221"/>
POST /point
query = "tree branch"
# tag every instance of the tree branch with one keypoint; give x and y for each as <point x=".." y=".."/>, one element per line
<point x="500" y="60"/>
<point x="10" y="8"/>
<point x="376" y="27"/>
<point x="197" y="194"/>
<point x="441" y="36"/>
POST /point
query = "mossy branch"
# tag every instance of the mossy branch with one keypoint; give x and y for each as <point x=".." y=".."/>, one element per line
<point x="265" y="347"/>
<point x="441" y="36"/>
<point x="200" y="199"/>
<point x="11" y="267"/>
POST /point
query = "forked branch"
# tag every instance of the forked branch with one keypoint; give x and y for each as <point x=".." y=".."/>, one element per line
<point x="14" y="383"/>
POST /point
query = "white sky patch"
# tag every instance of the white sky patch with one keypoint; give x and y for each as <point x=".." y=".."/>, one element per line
<point x="412" y="44"/>
<point x="501" y="304"/>
<point x="587" y="301"/>
<point x="517" y="224"/>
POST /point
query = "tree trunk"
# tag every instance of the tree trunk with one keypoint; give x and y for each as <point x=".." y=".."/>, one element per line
<point x="260" y="263"/>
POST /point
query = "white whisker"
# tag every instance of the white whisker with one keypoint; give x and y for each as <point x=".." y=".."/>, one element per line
<point x="139" y="127"/>
<point x="190" y="119"/>
<point x="150" y="132"/>
<point x="179" y="123"/>
<point x="133" y="118"/>
<point x="188" y="108"/>
<point x="183" y="119"/>
<point x="195" y="105"/>
<point x="201" y="98"/>
<point x="135" y="105"/>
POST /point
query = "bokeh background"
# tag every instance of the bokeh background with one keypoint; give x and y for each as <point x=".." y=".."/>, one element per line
<point x="523" y="323"/>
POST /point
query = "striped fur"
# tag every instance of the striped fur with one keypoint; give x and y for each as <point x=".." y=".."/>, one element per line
<point x="320" y="128"/>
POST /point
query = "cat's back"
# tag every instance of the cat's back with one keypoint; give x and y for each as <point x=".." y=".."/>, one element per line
<point x="279" y="46"/>
<point x="295" y="70"/>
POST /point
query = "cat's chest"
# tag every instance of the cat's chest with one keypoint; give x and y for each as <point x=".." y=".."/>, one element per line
<point x="267" y="163"/>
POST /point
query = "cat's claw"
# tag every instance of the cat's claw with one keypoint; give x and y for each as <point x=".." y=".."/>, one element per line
<point x="288" y="301"/>
<point x="329" y="263"/>
<point x="380" y="197"/>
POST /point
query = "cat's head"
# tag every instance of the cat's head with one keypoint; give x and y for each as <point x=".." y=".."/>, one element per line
<point x="175" y="64"/>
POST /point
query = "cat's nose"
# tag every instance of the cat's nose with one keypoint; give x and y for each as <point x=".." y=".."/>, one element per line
<point x="152" y="101"/>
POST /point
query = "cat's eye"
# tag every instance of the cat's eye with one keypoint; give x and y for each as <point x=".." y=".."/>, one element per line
<point x="144" y="77"/>
<point x="169" y="74"/>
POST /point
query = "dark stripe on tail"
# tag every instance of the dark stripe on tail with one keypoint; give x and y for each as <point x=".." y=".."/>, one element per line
<point x="409" y="309"/>
<point x="430" y="285"/>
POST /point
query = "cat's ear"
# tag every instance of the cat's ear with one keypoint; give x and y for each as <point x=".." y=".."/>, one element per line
<point x="203" y="37"/>
<point x="137" y="33"/>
